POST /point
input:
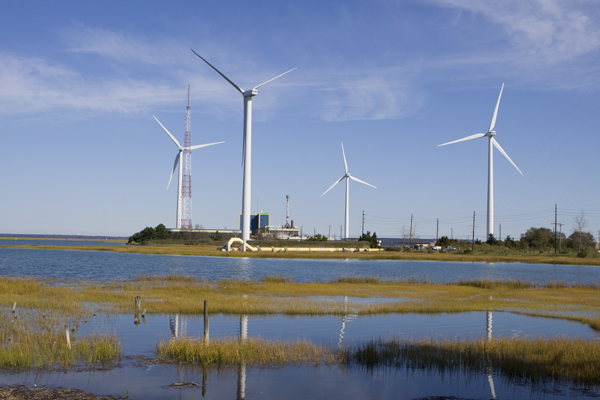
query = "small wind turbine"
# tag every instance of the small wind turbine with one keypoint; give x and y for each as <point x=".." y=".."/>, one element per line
<point x="247" y="147"/>
<point x="178" y="161"/>
<point x="347" y="176"/>
<point x="492" y="142"/>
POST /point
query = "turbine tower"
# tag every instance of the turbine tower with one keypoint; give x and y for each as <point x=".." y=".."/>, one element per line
<point x="247" y="147"/>
<point x="491" y="144"/>
<point x="187" y="149"/>
<point x="347" y="176"/>
<point x="186" y="188"/>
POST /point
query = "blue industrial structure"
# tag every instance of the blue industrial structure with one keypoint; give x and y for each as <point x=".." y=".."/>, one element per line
<point x="257" y="220"/>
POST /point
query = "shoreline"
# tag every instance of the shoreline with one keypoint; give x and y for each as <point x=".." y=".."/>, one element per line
<point x="210" y="251"/>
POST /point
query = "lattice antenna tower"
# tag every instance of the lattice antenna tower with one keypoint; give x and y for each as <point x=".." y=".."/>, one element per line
<point x="186" y="187"/>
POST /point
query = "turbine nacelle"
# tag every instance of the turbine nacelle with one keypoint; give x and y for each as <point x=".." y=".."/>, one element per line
<point x="250" y="93"/>
<point x="490" y="133"/>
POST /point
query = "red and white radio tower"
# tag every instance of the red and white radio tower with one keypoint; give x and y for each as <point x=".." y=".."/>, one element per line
<point x="186" y="187"/>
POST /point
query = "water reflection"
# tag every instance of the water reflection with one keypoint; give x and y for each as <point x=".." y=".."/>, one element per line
<point x="488" y="334"/>
<point x="178" y="326"/>
<point x="346" y="318"/>
<point x="241" y="371"/>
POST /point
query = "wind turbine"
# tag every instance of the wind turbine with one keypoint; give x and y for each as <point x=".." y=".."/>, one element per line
<point x="347" y="176"/>
<point x="491" y="143"/>
<point x="178" y="161"/>
<point x="247" y="147"/>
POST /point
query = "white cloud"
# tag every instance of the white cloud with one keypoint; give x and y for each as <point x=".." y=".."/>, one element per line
<point x="30" y="84"/>
<point x="548" y="31"/>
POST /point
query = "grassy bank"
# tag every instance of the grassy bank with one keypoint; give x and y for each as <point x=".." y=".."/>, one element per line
<point x="279" y="295"/>
<point x="211" y="251"/>
<point x="535" y="360"/>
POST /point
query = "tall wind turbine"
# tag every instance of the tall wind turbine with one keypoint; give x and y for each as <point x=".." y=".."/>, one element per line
<point x="247" y="147"/>
<point x="491" y="143"/>
<point x="347" y="177"/>
<point x="178" y="161"/>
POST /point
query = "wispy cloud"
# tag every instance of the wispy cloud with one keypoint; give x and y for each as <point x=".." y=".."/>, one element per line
<point x="551" y="40"/>
<point x="36" y="85"/>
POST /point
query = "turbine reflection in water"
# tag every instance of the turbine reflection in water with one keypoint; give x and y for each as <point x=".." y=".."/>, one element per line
<point x="241" y="381"/>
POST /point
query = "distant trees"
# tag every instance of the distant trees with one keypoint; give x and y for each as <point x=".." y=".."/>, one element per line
<point x="366" y="237"/>
<point x="538" y="238"/>
<point x="148" y="234"/>
<point x="317" y="238"/>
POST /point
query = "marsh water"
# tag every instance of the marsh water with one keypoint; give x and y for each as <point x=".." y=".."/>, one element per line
<point x="142" y="380"/>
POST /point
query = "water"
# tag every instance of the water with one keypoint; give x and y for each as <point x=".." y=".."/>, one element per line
<point x="102" y="266"/>
<point x="145" y="381"/>
<point x="58" y="242"/>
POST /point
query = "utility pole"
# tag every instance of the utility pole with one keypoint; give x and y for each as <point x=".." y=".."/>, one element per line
<point x="451" y="233"/>
<point x="300" y="232"/>
<point x="329" y="232"/>
<point x="314" y="232"/>
<point x="473" y="241"/>
<point x="500" y="233"/>
<point x="410" y="232"/>
<point x="341" y="237"/>
<point x="363" y="223"/>
<point x="560" y="236"/>
<point x="555" y="222"/>
<point x="437" y="229"/>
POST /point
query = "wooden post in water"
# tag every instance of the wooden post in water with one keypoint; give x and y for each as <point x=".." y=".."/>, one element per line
<point x="206" y="322"/>
<point x="14" y="307"/>
<point x="138" y="305"/>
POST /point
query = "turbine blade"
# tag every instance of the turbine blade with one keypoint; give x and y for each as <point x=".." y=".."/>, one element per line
<point x="358" y="180"/>
<point x="476" y="136"/>
<point x="336" y="182"/>
<point x="219" y="72"/>
<point x="493" y="123"/>
<point x="199" y="146"/>
<point x="168" y="133"/>
<point x="264" y="83"/>
<point x="344" y="154"/>
<point x="174" y="168"/>
<point x="505" y="155"/>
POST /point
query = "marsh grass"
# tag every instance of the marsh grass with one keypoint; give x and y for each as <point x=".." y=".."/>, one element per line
<point x="261" y="352"/>
<point x="37" y="339"/>
<point x="277" y="294"/>
<point x="533" y="359"/>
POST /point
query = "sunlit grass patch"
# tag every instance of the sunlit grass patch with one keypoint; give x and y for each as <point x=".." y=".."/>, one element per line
<point x="249" y="351"/>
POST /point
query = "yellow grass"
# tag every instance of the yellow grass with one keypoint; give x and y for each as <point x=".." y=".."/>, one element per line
<point x="277" y="295"/>
<point x="252" y="351"/>
<point x="532" y="359"/>
<point x="38" y="339"/>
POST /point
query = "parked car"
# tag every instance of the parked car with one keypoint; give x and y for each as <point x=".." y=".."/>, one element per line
<point x="450" y="248"/>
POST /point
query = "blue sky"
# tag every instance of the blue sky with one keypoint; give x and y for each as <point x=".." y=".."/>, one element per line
<point x="81" y="154"/>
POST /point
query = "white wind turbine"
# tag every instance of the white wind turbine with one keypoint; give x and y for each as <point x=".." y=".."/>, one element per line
<point x="247" y="147"/>
<point x="491" y="143"/>
<point x="178" y="161"/>
<point x="347" y="176"/>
